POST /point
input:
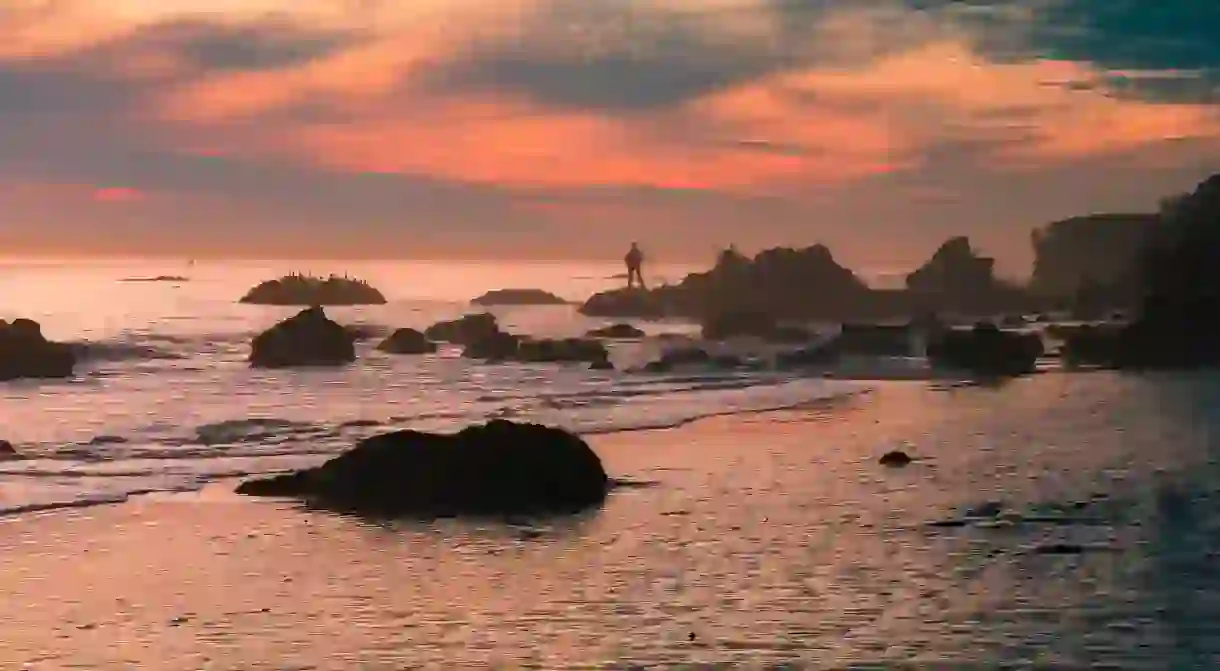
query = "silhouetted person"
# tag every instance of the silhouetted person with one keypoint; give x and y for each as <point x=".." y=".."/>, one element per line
<point x="634" y="261"/>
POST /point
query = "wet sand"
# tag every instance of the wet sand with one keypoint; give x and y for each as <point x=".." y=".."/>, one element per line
<point x="765" y="540"/>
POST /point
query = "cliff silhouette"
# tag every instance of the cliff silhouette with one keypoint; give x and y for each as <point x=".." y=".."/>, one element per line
<point x="1093" y="264"/>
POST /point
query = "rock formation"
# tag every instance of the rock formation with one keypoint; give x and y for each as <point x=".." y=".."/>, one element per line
<point x="464" y="330"/>
<point x="1089" y="254"/>
<point x="986" y="351"/>
<point x="518" y="297"/>
<point x="616" y="332"/>
<point x="309" y="338"/>
<point x="407" y="341"/>
<point x="26" y="353"/>
<point x="306" y="290"/>
<point x="498" y="468"/>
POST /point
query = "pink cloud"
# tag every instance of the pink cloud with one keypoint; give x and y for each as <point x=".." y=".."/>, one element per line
<point x="117" y="194"/>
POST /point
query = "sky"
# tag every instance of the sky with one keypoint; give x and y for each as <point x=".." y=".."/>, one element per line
<point x="569" y="128"/>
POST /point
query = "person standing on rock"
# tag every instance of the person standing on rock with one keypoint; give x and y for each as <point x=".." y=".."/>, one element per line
<point x="634" y="261"/>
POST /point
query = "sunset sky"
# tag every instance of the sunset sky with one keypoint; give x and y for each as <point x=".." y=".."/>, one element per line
<point x="568" y="128"/>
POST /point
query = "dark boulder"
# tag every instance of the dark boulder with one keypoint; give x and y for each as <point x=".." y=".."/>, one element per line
<point x="497" y="346"/>
<point x="306" y="290"/>
<point x="882" y="340"/>
<point x="308" y="338"/>
<point x="8" y="452"/>
<point x="692" y="356"/>
<point x="566" y="350"/>
<point x="1092" y="345"/>
<point x="518" y="297"/>
<point x="895" y="459"/>
<point x="26" y="353"/>
<point x="497" y="468"/>
<point x="465" y="330"/>
<point x="816" y="355"/>
<point x="616" y="332"/>
<point x="407" y="341"/>
<point x="751" y="323"/>
<point x="627" y="303"/>
<point x="986" y="350"/>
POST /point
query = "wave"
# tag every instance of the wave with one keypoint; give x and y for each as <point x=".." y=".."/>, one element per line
<point x="115" y="351"/>
<point x="110" y="469"/>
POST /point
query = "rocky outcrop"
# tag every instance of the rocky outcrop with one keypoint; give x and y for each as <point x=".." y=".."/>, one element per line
<point x="616" y="332"/>
<point x="465" y="330"/>
<point x="957" y="279"/>
<point x="986" y="351"/>
<point x="753" y="324"/>
<point x="309" y="338"/>
<point x="407" y="341"/>
<point x="498" y="468"/>
<point x="306" y="290"/>
<point x="784" y="284"/>
<point x="8" y="452"/>
<point x="26" y="353"/>
<point x="508" y="347"/>
<point x="518" y="297"/>
<point x="1084" y="253"/>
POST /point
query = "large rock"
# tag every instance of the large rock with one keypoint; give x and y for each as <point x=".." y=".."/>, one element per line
<point x="306" y="290"/>
<point x="8" y="452"/>
<point x="494" y="347"/>
<point x="493" y="469"/>
<point x="628" y="303"/>
<point x="26" y="353"/>
<point x="565" y="350"/>
<point x="309" y="338"/>
<point x="750" y="323"/>
<point x="986" y="350"/>
<point x="1077" y="256"/>
<point x="407" y="341"/>
<point x="518" y="297"/>
<point x="465" y="330"/>
<point x="616" y="332"/>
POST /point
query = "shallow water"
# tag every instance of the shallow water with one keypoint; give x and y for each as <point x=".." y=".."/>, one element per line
<point x="773" y="539"/>
<point x="167" y="402"/>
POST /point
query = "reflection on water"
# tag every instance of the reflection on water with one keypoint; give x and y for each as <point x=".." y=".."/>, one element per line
<point x="769" y="539"/>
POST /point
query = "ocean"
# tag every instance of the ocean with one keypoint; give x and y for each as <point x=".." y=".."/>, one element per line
<point x="1058" y="521"/>
<point x="167" y="402"/>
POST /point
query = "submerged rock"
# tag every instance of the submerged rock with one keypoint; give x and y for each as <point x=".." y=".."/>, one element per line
<point x="508" y="347"/>
<point x="465" y="330"/>
<point x="518" y="297"/>
<point x="497" y="346"/>
<point x="626" y="303"/>
<point x="750" y="323"/>
<point x="497" y="468"/>
<point x="26" y="353"/>
<point x="986" y="350"/>
<point x="308" y="338"/>
<point x="307" y="290"/>
<point x="407" y="341"/>
<point x="616" y="332"/>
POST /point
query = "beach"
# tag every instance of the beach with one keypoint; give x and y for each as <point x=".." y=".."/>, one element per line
<point x="1058" y="521"/>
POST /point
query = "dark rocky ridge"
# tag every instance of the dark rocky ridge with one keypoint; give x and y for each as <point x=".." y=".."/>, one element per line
<point x="308" y="338"/>
<point x="518" y="297"/>
<point x="26" y="353"/>
<point x="306" y="290"/>
<point x="498" y="468"/>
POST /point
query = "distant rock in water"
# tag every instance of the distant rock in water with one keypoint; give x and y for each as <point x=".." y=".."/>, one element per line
<point x="407" y="341"/>
<point x="26" y="353"/>
<point x="309" y="338"/>
<point x="627" y="303"/>
<point x="895" y="459"/>
<point x="518" y="297"/>
<point x="158" y="278"/>
<point x="307" y="290"/>
<point x="464" y="330"/>
<point x="362" y="332"/>
<point x="616" y="332"/>
<point x="987" y="351"/>
<point x="508" y="347"/>
<point x="8" y="452"/>
<point x="498" y="468"/>
<point x="750" y="323"/>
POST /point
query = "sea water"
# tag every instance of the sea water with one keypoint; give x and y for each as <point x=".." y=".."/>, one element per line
<point x="166" y="400"/>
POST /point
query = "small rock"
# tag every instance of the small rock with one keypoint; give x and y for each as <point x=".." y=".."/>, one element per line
<point x="895" y="458"/>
